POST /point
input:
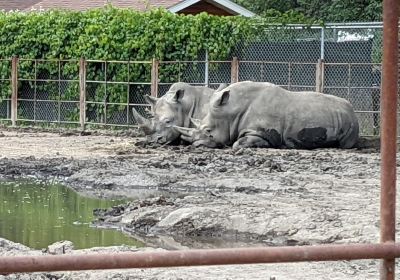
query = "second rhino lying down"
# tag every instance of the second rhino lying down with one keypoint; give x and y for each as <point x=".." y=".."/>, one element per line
<point x="250" y="114"/>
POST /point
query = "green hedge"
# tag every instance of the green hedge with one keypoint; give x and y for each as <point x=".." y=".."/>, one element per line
<point x="110" y="34"/>
<point x="118" y="34"/>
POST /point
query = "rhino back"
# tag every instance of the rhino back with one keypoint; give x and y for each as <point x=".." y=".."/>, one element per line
<point x="320" y="120"/>
<point x="292" y="119"/>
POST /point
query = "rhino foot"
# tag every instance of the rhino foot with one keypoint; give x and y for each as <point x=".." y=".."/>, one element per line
<point x="251" y="142"/>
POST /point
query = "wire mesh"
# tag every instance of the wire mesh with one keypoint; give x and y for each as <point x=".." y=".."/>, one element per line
<point x="360" y="85"/>
<point x="48" y="91"/>
<point x="113" y="88"/>
<point x="279" y="44"/>
<point x="191" y="72"/>
<point x="219" y="72"/>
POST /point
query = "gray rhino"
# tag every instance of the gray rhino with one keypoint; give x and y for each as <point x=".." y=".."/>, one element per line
<point x="250" y="114"/>
<point x="181" y="103"/>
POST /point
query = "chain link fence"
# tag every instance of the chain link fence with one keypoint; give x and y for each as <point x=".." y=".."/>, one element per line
<point x="113" y="88"/>
<point x="48" y="91"/>
<point x="342" y="60"/>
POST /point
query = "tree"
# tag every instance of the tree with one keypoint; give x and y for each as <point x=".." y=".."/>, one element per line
<point x="327" y="11"/>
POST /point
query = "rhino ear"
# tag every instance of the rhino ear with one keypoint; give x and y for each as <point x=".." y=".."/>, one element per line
<point x="221" y="87"/>
<point x="151" y="100"/>
<point x="179" y="95"/>
<point x="195" y="123"/>
<point x="224" y="98"/>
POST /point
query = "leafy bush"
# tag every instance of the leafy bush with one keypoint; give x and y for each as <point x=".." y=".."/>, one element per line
<point x="118" y="34"/>
<point x="111" y="34"/>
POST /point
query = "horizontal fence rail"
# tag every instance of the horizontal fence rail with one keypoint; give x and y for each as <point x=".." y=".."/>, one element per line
<point x="203" y="257"/>
<point x="95" y="92"/>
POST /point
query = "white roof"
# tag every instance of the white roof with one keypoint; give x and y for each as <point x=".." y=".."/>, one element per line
<point x="223" y="4"/>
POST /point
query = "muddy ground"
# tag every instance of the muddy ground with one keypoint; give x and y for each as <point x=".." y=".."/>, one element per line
<point x="203" y="198"/>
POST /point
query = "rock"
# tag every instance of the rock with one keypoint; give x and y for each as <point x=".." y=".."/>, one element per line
<point x="7" y="245"/>
<point x="222" y="169"/>
<point x="60" y="248"/>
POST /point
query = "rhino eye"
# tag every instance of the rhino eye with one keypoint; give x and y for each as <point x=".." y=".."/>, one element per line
<point x="208" y="132"/>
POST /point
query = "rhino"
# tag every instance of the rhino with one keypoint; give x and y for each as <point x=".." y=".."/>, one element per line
<point x="176" y="108"/>
<point x="254" y="114"/>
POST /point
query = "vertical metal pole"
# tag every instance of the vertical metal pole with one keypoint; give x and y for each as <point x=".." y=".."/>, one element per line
<point x="14" y="88"/>
<point x="388" y="132"/>
<point x="127" y="95"/>
<point x="206" y="70"/>
<point x="82" y="92"/>
<point x="35" y="93"/>
<point x="322" y="43"/>
<point x="235" y="70"/>
<point x="154" y="77"/>
<point x="319" y="76"/>
<point x="59" y="92"/>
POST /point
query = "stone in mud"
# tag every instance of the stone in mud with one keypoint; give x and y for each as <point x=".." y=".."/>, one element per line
<point x="60" y="248"/>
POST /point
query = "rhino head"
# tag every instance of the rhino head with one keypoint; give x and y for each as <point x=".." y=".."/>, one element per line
<point x="168" y="111"/>
<point x="214" y="130"/>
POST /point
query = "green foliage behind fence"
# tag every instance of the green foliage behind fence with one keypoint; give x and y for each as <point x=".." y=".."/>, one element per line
<point x="118" y="34"/>
<point x="112" y="34"/>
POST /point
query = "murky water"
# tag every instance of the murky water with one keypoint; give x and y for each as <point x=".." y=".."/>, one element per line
<point x="37" y="215"/>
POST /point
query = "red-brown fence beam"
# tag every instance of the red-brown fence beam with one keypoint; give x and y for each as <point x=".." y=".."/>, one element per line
<point x="198" y="257"/>
<point x="388" y="132"/>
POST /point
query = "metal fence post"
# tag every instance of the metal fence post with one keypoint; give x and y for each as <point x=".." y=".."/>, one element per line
<point x="388" y="132"/>
<point x="319" y="76"/>
<point x="154" y="77"/>
<point x="235" y="70"/>
<point x="206" y="70"/>
<point x="82" y="92"/>
<point x="14" y="92"/>
<point x="322" y="43"/>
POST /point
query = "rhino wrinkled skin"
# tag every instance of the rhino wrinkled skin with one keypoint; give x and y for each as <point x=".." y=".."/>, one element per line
<point x="176" y="108"/>
<point x="253" y="114"/>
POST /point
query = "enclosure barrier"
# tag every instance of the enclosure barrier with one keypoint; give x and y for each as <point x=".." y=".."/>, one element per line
<point x="388" y="131"/>
<point x="97" y="92"/>
<point x="386" y="250"/>
<point x="198" y="257"/>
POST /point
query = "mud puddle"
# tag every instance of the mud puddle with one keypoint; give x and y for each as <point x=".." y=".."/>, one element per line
<point x="37" y="215"/>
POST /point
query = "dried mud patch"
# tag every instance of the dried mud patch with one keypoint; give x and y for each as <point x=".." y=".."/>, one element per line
<point x="203" y="198"/>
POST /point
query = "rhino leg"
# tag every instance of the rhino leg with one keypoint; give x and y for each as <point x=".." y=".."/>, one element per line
<point x="251" y="141"/>
<point x="349" y="138"/>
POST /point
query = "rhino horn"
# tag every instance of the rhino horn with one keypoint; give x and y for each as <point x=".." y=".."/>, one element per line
<point x="186" y="133"/>
<point x="143" y="123"/>
<point x="195" y="123"/>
